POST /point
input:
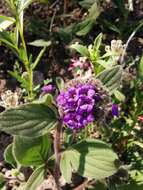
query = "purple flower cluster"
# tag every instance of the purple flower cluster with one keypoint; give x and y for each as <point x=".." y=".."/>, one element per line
<point x="115" y="110"/>
<point x="48" y="88"/>
<point x="78" y="105"/>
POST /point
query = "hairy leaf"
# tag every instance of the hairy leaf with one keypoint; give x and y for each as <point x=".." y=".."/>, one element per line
<point x="111" y="78"/>
<point x="90" y="158"/>
<point x="31" y="151"/>
<point x="35" y="179"/>
<point x="8" y="155"/>
<point x="30" y="120"/>
<point x="65" y="165"/>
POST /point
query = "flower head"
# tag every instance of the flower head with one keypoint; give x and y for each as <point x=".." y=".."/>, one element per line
<point x="80" y="104"/>
<point x="48" y="88"/>
<point x="10" y="99"/>
<point x="115" y="110"/>
<point x="81" y="67"/>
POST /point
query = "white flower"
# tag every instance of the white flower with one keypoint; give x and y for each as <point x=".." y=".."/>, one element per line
<point x="9" y="99"/>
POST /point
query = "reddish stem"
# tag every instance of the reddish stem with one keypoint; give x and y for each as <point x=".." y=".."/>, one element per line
<point x="57" y="147"/>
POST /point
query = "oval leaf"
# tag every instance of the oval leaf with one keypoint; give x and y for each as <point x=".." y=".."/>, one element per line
<point x="80" y="49"/>
<point x="31" y="151"/>
<point x="30" y="120"/>
<point x="40" y="43"/>
<point x="92" y="159"/>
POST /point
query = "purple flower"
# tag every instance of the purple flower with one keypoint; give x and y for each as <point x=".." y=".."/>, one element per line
<point x="115" y="110"/>
<point x="78" y="105"/>
<point x="48" y="88"/>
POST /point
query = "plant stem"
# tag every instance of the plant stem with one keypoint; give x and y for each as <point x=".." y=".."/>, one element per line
<point x="27" y="66"/>
<point x="57" y="147"/>
<point x="30" y="83"/>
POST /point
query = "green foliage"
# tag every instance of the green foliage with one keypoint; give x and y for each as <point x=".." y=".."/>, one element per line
<point x="60" y="83"/>
<point x="85" y="26"/>
<point x="5" y="22"/>
<point x="141" y="66"/>
<point x="8" y="155"/>
<point x="66" y="165"/>
<point x="87" y="3"/>
<point x="40" y="43"/>
<point x="31" y="120"/>
<point x="111" y="78"/>
<point x="31" y="152"/>
<point x="120" y="96"/>
<point x="2" y="180"/>
<point x="80" y="49"/>
<point x="8" y="39"/>
<point x="132" y="186"/>
<point x="36" y="178"/>
<point x="90" y="158"/>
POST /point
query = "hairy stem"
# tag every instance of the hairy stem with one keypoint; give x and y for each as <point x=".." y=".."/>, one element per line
<point x="57" y="147"/>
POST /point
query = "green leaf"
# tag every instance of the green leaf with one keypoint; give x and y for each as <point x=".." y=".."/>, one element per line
<point x="36" y="62"/>
<point x="140" y="144"/>
<point x="23" y="4"/>
<point x="65" y="166"/>
<point x="84" y="27"/>
<point x="22" y="54"/>
<point x="111" y="78"/>
<point x="141" y="66"/>
<point x="111" y="26"/>
<point x="2" y="179"/>
<point x="23" y="82"/>
<point x="90" y="158"/>
<point x="8" y="39"/>
<point x="40" y="43"/>
<point x="8" y="155"/>
<point x="97" y="42"/>
<point x="30" y="120"/>
<point x="132" y="186"/>
<point x="31" y="151"/>
<point x="46" y="99"/>
<point x="87" y="3"/>
<point x="36" y="178"/>
<point x="136" y="175"/>
<point x="80" y="49"/>
<point x="119" y="95"/>
<point x="94" y="11"/>
<point x="60" y="83"/>
<point x="5" y="22"/>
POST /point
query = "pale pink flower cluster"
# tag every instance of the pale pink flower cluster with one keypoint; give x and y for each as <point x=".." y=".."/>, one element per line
<point x="81" y="67"/>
